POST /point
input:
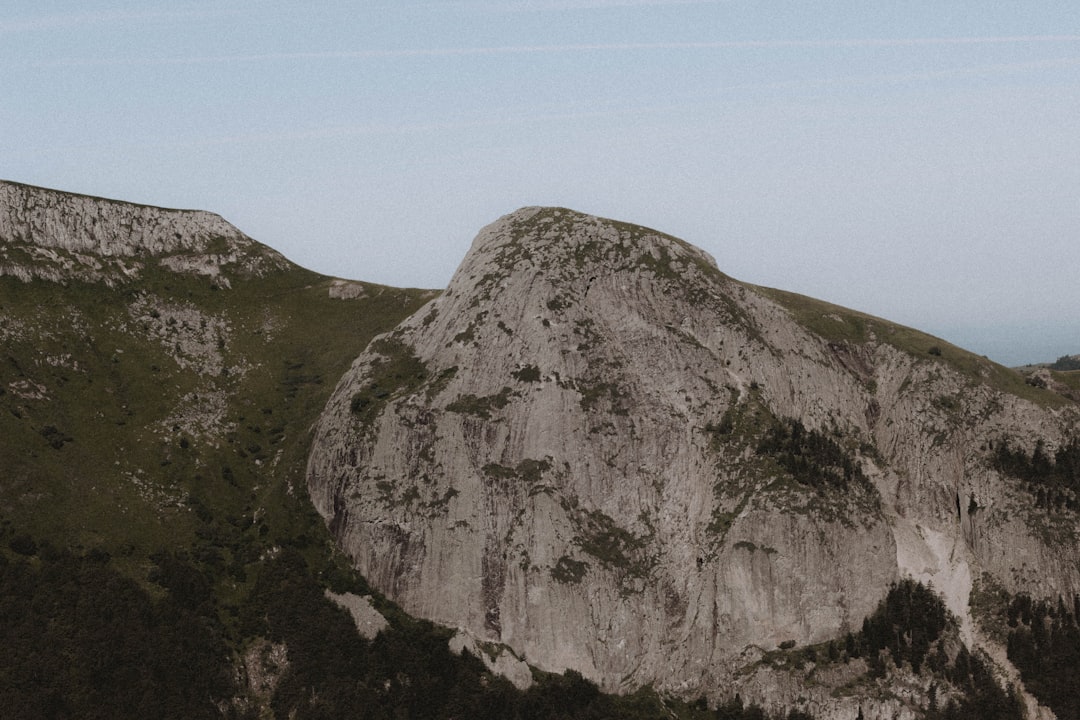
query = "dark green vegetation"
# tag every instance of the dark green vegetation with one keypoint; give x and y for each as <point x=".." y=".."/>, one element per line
<point x="1042" y="638"/>
<point x="1044" y="644"/>
<point x="170" y="412"/>
<point x="397" y="372"/>
<point x="1066" y="363"/>
<point x="1053" y="479"/>
<point x="906" y="624"/>
<point x="481" y="407"/>
<point x="153" y="439"/>
<point x="528" y="471"/>
<point x="911" y="628"/>
<point x="527" y="373"/>
<point x="83" y="641"/>
<point x="812" y="458"/>
<point x="407" y="671"/>
<point x="569" y="571"/>
<point x="611" y="545"/>
<point x="799" y="469"/>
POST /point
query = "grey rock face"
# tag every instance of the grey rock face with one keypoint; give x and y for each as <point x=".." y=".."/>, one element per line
<point x="497" y="659"/>
<point x="568" y="452"/>
<point x="369" y="621"/>
<point x="59" y="236"/>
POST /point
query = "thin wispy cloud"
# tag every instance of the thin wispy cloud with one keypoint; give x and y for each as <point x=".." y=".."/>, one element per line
<point x="569" y="48"/>
<point x="101" y="17"/>
<point x="520" y="116"/>
<point x="989" y="69"/>
<point x="562" y="5"/>
<point x="540" y="115"/>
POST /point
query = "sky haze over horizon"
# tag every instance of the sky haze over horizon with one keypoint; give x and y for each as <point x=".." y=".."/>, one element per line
<point x="916" y="161"/>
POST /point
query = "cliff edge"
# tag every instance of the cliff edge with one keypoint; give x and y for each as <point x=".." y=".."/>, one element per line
<point x="60" y="236"/>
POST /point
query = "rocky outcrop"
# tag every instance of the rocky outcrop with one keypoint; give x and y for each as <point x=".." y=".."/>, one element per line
<point x="60" y="236"/>
<point x="587" y="449"/>
<point x="498" y="659"/>
<point x="369" y="621"/>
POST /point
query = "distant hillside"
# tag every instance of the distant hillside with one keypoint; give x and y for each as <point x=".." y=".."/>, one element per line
<point x="1066" y="363"/>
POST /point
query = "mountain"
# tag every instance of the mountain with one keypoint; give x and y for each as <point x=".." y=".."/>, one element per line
<point x="152" y="354"/>
<point x="598" y="450"/>
<point x="593" y="453"/>
<point x="62" y="237"/>
<point x="159" y="377"/>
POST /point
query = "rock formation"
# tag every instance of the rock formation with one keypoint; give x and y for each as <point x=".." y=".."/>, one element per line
<point x="584" y="449"/>
<point x="60" y="236"/>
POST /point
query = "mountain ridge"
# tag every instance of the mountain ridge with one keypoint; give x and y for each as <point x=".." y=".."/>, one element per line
<point x="595" y="459"/>
<point x="157" y="418"/>
<point x="58" y="236"/>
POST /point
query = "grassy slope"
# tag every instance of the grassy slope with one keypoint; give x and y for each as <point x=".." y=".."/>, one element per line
<point x="94" y="455"/>
<point x="839" y="324"/>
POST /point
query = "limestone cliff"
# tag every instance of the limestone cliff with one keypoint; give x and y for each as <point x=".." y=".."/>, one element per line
<point x="583" y="450"/>
<point x="60" y="236"/>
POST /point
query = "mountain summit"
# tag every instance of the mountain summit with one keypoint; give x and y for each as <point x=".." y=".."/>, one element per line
<point x="600" y="451"/>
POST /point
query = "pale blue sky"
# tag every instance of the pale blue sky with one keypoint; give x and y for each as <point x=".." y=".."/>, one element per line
<point x="919" y="161"/>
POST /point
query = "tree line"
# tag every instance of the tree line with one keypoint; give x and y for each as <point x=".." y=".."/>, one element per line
<point x="1054" y="478"/>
